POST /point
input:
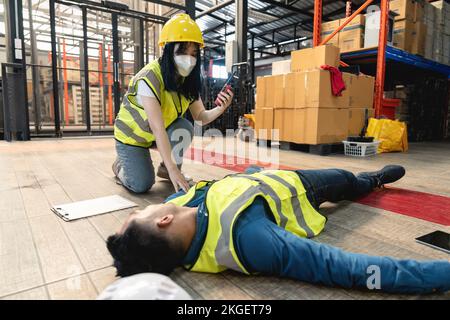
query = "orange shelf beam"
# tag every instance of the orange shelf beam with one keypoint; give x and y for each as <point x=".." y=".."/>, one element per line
<point x="381" y="58"/>
<point x="317" y="22"/>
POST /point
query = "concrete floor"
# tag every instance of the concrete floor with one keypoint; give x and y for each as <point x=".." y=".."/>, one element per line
<point x="43" y="257"/>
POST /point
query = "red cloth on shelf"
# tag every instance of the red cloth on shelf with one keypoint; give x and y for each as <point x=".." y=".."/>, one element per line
<point x="337" y="83"/>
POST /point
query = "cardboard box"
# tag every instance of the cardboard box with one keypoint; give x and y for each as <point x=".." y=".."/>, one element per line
<point x="419" y="39"/>
<point x="290" y="86"/>
<point x="260" y="92"/>
<point x="327" y="28"/>
<point x="278" y="115"/>
<point x="290" y="124"/>
<point x="333" y="41"/>
<point x="352" y="36"/>
<point x="295" y="120"/>
<point x="264" y="123"/>
<point x="351" y="40"/>
<point x="442" y="15"/>
<point x="404" y="31"/>
<point x="419" y="12"/>
<point x="356" y="119"/>
<point x="412" y="10"/>
<point x="446" y="50"/>
<point x="357" y="22"/>
<point x="313" y="58"/>
<point x="360" y="89"/>
<point x="283" y="122"/>
<point x="277" y="90"/>
<point x="269" y="96"/>
<point x="311" y="125"/>
<point x="313" y="90"/>
<point x="281" y="67"/>
<point x="429" y="13"/>
<point x="325" y="125"/>
<point x="429" y="38"/>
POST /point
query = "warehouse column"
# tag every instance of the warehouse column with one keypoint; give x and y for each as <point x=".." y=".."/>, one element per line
<point x="116" y="61"/>
<point x="241" y="29"/>
<point x="137" y="32"/>
<point x="85" y="84"/>
<point x="36" y="101"/>
<point x="16" y="79"/>
<point x="51" y="4"/>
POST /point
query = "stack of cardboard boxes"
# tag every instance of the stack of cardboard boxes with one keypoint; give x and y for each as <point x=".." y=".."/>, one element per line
<point x="301" y="106"/>
<point x="409" y="29"/>
<point x="439" y="18"/>
<point x="348" y="39"/>
<point x="352" y="36"/>
<point x="423" y="28"/>
<point x="420" y="27"/>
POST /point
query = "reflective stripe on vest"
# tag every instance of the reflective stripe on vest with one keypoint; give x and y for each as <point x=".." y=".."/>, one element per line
<point x="227" y="198"/>
<point x="132" y="125"/>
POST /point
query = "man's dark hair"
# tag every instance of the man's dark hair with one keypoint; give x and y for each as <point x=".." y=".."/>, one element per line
<point x="191" y="86"/>
<point x="141" y="249"/>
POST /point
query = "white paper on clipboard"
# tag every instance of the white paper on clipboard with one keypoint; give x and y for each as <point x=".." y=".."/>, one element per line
<point x="92" y="207"/>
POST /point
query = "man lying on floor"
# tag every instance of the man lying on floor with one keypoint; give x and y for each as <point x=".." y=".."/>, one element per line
<point x="260" y="223"/>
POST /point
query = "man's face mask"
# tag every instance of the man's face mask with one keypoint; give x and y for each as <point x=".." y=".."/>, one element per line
<point x="185" y="63"/>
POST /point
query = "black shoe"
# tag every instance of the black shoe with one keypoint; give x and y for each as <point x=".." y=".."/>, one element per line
<point x="388" y="174"/>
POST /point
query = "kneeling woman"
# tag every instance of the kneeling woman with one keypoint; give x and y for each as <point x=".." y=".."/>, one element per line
<point x="152" y="110"/>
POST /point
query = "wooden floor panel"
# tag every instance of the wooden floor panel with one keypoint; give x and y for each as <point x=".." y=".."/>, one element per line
<point x="43" y="257"/>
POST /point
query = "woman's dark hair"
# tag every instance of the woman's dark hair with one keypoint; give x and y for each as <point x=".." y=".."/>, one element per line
<point x="190" y="87"/>
<point x="141" y="249"/>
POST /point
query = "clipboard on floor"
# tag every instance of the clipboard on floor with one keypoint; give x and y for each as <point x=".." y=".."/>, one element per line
<point x="92" y="207"/>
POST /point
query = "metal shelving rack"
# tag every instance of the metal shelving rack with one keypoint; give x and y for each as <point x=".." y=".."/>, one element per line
<point x="377" y="57"/>
<point x="368" y="55"/>
<point x="382" y="40"/>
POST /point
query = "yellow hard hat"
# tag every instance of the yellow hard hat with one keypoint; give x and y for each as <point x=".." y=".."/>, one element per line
<point x="181" y="28"/>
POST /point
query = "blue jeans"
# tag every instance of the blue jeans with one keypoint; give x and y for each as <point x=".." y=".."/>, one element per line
<point x="334" y="185"/>
<point x="266" y="248"/>
<point x="136" y="170"/>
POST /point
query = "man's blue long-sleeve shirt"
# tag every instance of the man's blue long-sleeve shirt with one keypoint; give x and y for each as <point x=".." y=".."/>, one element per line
<point x="264" y="247"/>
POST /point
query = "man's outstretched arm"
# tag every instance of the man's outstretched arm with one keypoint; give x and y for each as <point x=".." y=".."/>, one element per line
<point x="269" y="249"/>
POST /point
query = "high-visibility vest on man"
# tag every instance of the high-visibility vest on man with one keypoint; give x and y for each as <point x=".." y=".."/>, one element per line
<point x="226" y="199"/>
<point x="131" y="126"/>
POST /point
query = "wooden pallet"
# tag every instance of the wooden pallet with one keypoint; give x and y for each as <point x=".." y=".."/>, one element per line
<point x="324" y="149"/>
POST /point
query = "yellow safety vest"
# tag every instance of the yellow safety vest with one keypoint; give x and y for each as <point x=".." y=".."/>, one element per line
<point x="131" y="125"/>
<point x="227" y="198"/>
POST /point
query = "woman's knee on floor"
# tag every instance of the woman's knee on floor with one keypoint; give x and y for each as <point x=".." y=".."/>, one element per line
<point x="139" y="184"/>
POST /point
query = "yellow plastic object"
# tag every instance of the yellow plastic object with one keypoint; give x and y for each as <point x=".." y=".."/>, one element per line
<point x="392" y="134"/>
<point x="181" y="28"/>
<point x="252" y="119"/>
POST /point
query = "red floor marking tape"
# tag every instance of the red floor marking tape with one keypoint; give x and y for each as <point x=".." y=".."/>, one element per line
<point x="421" y="205"/>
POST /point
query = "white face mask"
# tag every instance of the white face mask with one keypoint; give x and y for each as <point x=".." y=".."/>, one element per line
<point x="185" y="64"/>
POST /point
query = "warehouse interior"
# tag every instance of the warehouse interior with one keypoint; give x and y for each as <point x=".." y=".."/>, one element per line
<point x="318" y="84"/>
